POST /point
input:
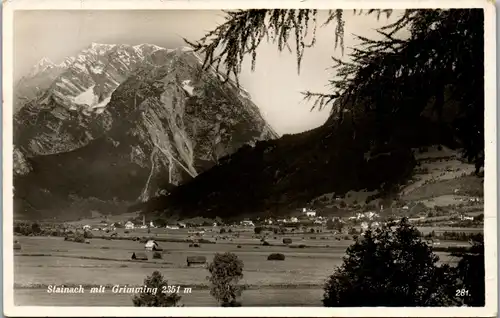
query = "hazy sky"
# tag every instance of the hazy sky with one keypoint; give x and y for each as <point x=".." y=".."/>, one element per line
<point x="274" y="86"/>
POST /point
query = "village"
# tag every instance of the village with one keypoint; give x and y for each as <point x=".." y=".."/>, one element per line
<point x="372" y="217"/>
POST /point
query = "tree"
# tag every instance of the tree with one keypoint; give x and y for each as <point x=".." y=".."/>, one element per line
<point x="334" y="225"/>
<point x="35" y="228"/>
<point x="225" y="272"/>
<point x="394" y="79"/>
<point x="156" y="297"/>
<point x="390" y="267"/>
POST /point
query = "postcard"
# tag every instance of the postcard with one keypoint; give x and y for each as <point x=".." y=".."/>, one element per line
<point x="264" y="158"/>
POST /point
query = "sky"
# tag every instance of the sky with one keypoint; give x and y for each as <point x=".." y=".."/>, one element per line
<point x="275" y="85"/>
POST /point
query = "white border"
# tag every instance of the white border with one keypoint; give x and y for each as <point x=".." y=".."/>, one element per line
<point x="490" y="184"/>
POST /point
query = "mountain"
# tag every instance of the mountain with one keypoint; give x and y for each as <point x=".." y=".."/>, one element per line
<point x="65" y="104"/>
<point x="278" y="176"/>
<point x="125" y="123"/>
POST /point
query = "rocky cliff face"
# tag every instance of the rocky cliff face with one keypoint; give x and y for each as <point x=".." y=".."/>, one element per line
<point x="127" y="123"/>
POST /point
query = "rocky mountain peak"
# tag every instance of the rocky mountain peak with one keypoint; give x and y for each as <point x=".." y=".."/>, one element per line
<point x="126" y="122"/>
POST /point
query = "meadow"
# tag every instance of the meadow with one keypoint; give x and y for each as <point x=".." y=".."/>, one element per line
<point x="296" y="281"/>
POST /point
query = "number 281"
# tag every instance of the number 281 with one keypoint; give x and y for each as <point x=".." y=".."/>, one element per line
<point x="461" y="293"/>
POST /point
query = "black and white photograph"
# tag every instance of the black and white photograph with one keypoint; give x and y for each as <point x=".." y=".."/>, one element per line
<point x="297" y="158"/>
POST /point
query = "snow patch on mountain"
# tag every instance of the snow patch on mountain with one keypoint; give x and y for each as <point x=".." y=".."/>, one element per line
<point x="88" y="97"/>
<point x="101" y="106"/>
<point x="187" y="87"/>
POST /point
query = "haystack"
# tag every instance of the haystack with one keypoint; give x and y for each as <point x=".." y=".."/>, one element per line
<point x="140" y="256"/>
<point x="198" y="260"/>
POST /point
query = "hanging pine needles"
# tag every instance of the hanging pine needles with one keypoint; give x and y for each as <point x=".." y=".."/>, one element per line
<point x="440" y="63"/>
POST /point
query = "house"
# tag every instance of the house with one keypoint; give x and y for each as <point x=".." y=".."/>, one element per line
<point x="182" y="225"/>
<point x="151" y="245"/>
<point x="466" y="218"/>
<point x="172" y="227"/>
<point x="247" y="223"/>
<point x="309" y="213"/>
<point x="143" y="227"/>
<point x="365" y="226"/>
<point x="294" y="219"/>
<point x="129" y="225"/>
<point x="371" y="215"/>
<point x="139" y="256"/>
<point x="87" y="227"/>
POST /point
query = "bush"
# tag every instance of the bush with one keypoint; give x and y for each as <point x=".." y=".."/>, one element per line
<point x="157" y="255"/>
<point x="126" y="231"/>
<point x="88" y="234"/>
<point x="79" y="239"/>
<point x="312" y="231"/>
<point x="225" y="272"/>
<point x="158" y="299"/>
<point x="276" y="257"/>
<point x="202" y="240"/>
<point x="239" y="246"/>
<point x="257" y="230"/>
<point x="287" y="241"/>
<point x="352" y="231"/>
<point x="265" y="243"/>
<point x="222" y="231"/>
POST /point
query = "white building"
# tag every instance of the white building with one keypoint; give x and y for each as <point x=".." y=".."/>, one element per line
<point x="87" y="227"/>
<point x="129" y="225"/>
<point x="309" y="213"/>
<point x="172" y="227"/>
<point x="151" y="245"/>
<point x="247" y="223"/>
<point x="294" y="219"/>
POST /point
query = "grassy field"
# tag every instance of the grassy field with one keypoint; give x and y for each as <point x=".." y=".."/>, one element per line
<point x="296" y="281"/>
